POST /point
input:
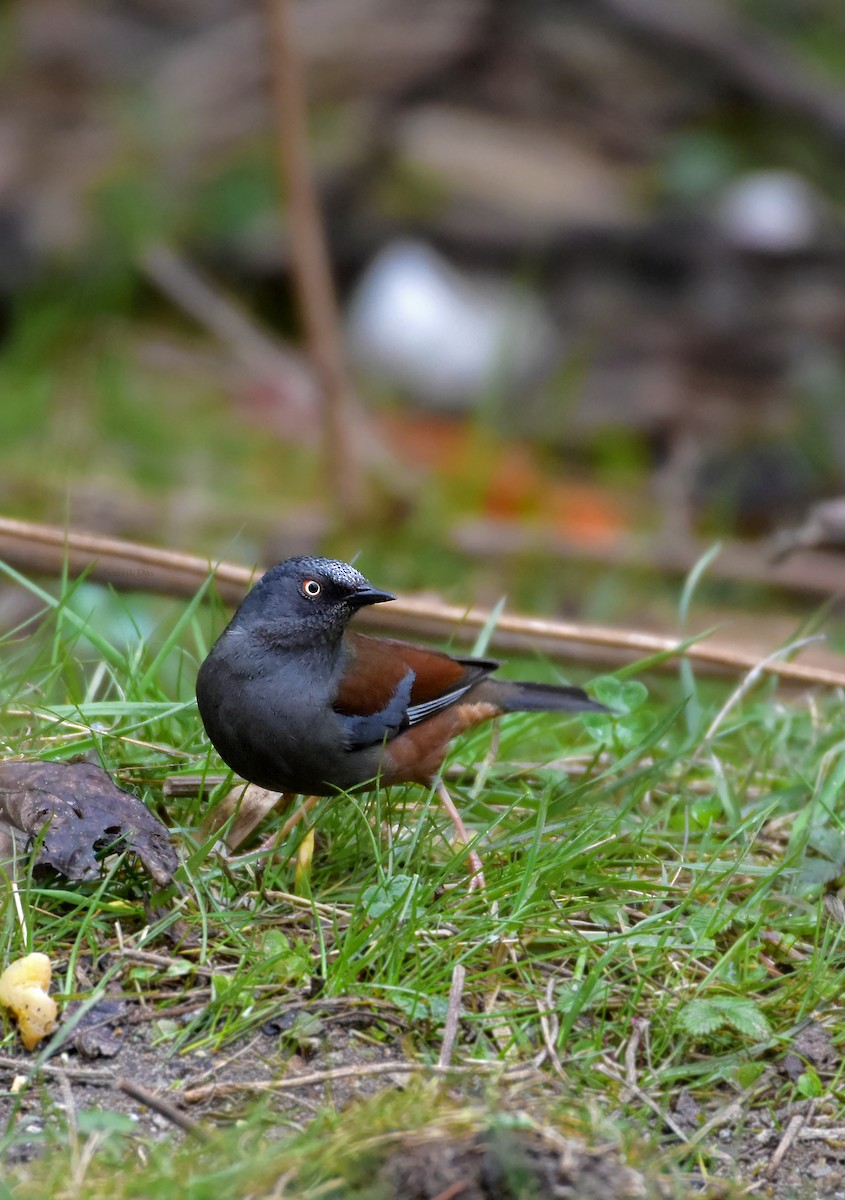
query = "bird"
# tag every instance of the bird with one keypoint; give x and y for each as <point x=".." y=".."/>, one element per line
<point x="296" y="702"/>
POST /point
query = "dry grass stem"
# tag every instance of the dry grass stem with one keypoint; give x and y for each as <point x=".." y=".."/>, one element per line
<point x="453" y="1012"/>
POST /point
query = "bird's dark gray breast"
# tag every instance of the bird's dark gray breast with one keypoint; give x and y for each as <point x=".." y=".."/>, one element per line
<point x="270" y="719"/>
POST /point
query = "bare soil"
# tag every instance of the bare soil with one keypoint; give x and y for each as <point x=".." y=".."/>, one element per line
<point x="794" y="1153"/>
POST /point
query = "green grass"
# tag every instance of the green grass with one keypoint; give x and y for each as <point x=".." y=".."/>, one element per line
<point x="661" y="914"/>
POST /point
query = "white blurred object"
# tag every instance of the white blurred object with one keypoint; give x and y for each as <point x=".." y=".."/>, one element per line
<point x="774" y="212"/>
<point x="442" y="335"/>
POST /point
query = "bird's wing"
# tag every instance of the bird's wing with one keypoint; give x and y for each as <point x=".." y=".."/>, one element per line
<point x="389" y="685"/>
<point x="369" y="729"/>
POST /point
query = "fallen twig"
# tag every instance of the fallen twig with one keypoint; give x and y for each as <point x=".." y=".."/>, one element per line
<point x="163" y="1107"/>
<point x="312" y="1078"/>
<point x="48" y="549"/>
<point x="95" y="1078"/>
<point x="453" y="1012"/>
<point x="634" y="1090"/>
<point x="164" y="961"/>
<point x="550" y="1028"/>
<point x="834" y="1134"/>
<point x="33" y="547"/>
<point x="88" y="1075"/>
<point x="639" y="1029"/>
<point x="790" y="1134"/>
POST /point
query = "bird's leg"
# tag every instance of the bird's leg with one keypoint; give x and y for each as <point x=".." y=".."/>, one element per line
<point x="476" y="870"/>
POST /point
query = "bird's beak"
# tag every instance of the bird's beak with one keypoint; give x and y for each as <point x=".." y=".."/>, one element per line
<point x="367" y="594"/>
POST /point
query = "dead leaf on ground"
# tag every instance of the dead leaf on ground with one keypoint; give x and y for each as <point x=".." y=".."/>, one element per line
<point x="250" y="804"/>
<point x="101" y="1031"/>
<point x="81" y="811"/>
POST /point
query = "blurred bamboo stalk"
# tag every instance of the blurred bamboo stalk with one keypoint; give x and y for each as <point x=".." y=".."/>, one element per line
<point x="49" y="549"/>
<point x="345" y="483"/>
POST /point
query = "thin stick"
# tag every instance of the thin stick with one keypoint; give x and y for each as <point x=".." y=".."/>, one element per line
<point x="835" y="1134"/>
<point x="71" y="1123"/>
<point x="267" y="356"/>
<point x="550" y="1027"/>
<point x="310" y="260"/>
<point x="30" y="546"/>
<point x="34" y="547"/>
<point x="476" y="879"/>
<point x="786" y="1142"/>
<point x="636" y="1091"/>
<point x="453" y="1013"/>
<point x="598" y="635"/>
<point x="163" y="960"/>
<point x="87" y="1075"/>
<point x="163" y="1107"/>
<point x="199" y="1095"/>
<point x="639" y="1026"/>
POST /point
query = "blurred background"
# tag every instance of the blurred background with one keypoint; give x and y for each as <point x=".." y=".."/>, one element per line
<point x="590" y="269"/>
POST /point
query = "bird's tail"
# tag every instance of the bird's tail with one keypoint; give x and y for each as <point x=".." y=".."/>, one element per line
<point x="545" y="697"/>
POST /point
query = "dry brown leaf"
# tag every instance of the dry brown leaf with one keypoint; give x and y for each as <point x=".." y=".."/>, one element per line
<point x="80" y="811"/>
<point x="251" y="804"/>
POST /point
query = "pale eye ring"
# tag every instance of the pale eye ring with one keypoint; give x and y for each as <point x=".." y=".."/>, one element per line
<point x="311" y="588"/>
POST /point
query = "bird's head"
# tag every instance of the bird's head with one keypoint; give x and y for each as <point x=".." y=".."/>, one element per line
<point x="307" y="599"/>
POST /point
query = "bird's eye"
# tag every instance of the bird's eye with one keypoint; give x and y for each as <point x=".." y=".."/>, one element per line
<point x="311" y="588"/>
